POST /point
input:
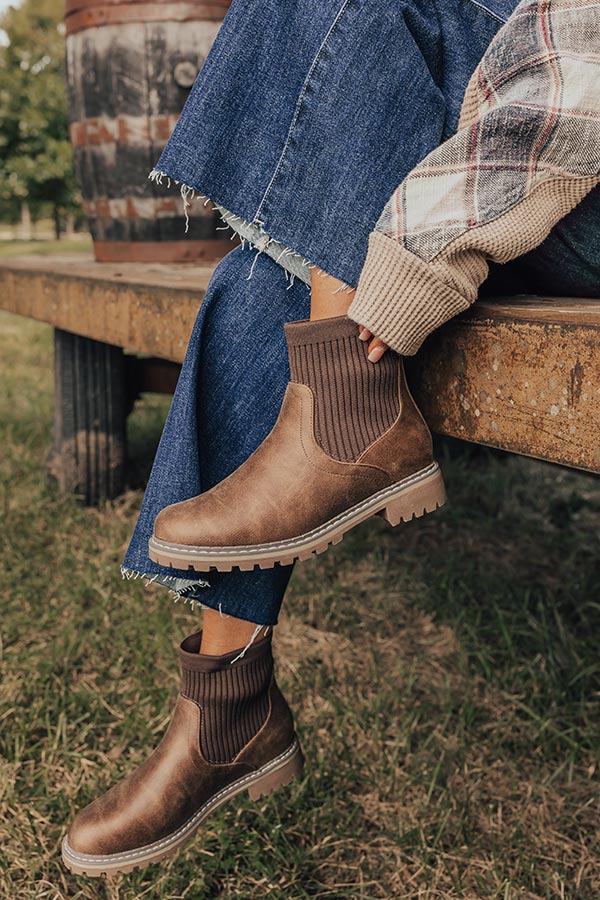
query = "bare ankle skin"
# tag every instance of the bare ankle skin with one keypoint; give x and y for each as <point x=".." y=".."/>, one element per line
<point x="327" y="301"/>
<point x="324" y="301"/>
<point x="222" y="634"/>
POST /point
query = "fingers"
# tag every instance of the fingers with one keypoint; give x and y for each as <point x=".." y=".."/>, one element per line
<point x="376" y="348"/>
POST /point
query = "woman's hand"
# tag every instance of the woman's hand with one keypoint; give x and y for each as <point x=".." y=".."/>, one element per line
<point x="376" y="348"/>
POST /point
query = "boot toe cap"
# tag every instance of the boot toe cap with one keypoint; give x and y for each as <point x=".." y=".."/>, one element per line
<point x="108" y="826"/>
<point x="85" y="835"/>
<point x="175" y="524"/>
<point x="202" y="522"/>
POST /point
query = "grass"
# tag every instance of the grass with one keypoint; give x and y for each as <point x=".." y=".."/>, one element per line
<point x="444" y="675"/>
<point x="78" y="244"/>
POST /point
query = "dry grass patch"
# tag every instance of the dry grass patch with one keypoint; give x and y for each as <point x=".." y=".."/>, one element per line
<point x="444" y="676"/>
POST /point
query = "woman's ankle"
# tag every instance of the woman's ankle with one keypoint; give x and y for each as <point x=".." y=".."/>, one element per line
<point x="222" y="633"/>
<point x="329" y="296"/>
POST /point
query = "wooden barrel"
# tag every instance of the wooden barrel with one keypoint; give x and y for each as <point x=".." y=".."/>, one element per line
<point x="130" y="66"/>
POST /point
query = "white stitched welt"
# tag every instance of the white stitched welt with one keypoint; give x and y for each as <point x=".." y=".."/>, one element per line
<point x="290" y="543"/>
<point x="158" y="845"/>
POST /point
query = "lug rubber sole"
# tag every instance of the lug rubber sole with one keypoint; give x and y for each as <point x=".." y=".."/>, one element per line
<point x="408" y="499"/>
<point x="278" y="772"/>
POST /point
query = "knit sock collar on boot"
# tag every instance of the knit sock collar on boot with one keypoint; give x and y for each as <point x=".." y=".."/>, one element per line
<point x="233" y="696"/>
<point x="355" y="400"/>
<point x="192" y="660"/>
<point x="303" y="331"/>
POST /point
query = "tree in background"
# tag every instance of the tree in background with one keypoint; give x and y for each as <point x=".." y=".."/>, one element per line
<point x="36" y="161"/>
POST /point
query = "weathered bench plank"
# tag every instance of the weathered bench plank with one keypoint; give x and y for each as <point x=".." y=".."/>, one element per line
<point x="523" y="378"/>
<point x="522" y="374"/>
<point x="142" y="307"/>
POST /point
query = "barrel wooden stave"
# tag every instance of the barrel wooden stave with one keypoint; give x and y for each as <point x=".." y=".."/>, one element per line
<point x="124" y="99"/>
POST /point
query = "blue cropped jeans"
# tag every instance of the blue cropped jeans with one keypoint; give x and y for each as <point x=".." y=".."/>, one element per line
<point x="303" y="120"/>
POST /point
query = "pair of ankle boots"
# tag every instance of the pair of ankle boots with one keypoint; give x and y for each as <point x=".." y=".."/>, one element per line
<point x="349" y="443"/>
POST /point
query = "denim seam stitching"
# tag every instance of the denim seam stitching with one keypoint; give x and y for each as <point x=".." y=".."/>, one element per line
<point x="301" y="96"/>
<point x="488" y="11"/>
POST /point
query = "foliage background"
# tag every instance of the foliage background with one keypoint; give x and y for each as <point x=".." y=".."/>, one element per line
<point x="36" y="164"/>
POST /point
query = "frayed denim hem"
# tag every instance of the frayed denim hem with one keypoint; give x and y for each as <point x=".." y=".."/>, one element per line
<point x="188" y="591"/>
<point x="184" y="589"/>
<point x="294" y="264"/>
<point x="179" y="588"/>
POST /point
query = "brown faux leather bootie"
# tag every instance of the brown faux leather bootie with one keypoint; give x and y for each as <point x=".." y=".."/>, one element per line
<point x="231" y="731"/>
<point x="349" y="443"/>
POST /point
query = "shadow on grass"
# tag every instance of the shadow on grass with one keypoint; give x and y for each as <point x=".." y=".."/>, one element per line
<point x="444" y="677"/>
<point x="144" y="428"/>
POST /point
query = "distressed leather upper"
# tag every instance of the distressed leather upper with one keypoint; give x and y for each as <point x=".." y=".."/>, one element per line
<point x="173" y="783"/>
<point x="289" y="485"/>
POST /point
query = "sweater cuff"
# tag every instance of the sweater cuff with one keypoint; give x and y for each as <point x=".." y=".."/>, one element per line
<point x="400" y="298"/>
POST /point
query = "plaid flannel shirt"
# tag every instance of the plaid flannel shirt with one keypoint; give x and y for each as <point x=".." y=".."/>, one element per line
<point x="526" y="151"/>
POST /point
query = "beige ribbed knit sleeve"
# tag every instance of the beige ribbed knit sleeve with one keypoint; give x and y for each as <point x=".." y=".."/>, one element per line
<point x="526" y="151"/>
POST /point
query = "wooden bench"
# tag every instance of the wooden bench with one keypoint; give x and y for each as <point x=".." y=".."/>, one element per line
<point x="521" y="373"/>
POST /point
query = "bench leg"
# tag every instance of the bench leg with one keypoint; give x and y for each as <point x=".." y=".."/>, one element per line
<point x="90" y="409"/>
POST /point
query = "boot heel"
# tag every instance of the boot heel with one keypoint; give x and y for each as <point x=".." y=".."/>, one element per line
<point x="423" y="497"/>
<point x="285" y="774"/>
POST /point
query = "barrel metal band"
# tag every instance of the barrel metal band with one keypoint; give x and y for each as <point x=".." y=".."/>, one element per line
<point x="81" y="14"/>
